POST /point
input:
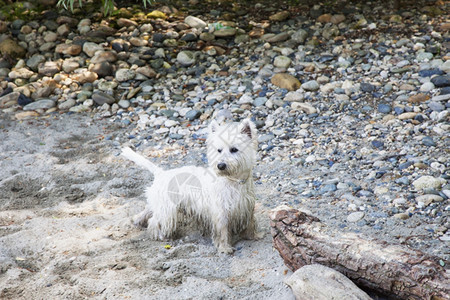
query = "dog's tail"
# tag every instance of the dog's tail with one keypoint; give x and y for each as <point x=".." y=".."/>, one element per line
<point x="140" y="160"/>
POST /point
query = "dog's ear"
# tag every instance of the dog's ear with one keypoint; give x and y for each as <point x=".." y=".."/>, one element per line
<point x="248" y="128"/>
<point x="213" y="126"/>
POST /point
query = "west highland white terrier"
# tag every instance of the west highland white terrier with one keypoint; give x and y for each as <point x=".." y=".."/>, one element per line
<point x="220" y="198"/>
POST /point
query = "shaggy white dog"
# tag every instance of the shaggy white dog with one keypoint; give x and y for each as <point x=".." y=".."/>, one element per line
<point x="220" y="198"/>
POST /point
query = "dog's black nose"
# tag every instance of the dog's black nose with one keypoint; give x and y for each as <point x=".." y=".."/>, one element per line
<point x="221" y="166"/>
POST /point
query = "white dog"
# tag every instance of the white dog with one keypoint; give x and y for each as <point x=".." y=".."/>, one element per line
<point x="220" y="198"/>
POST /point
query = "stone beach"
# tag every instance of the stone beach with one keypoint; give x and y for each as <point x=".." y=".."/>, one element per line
<point x="352" y="105"/>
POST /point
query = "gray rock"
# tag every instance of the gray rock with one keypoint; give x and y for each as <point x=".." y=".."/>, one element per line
<point x="265" y="137"/>
<point x="259" y="101"/>
<point x="63" y="30"/>
<point x="124" y="103"/>
<point x="299" y="36"/>
<point x="49" y="68"/>
<point x="101" y="98"/>
<point x="225" y="32"/>
<point x="186" y="58"/>
<point x="66" y="105"/>
<point x="427" y="86"/>
<point x="317" y="282"/>
<point x="90" y="48"/>
<point x="125" y="75"/>
<point x="40" y="104"/>
<point x="11" y="97"/>
<point x="194" y="22"/>
<point x="311" y="85"/>
<point x="193" y="114"/>
<point x="428" y="182"/>
<point x="282" y="61"/>
<point x="436" y="106"/>
<point x="34" y="61"/>
<point x="422" y="56"/>
<point x="355" y="216"/>
<point x="280" y="37"/>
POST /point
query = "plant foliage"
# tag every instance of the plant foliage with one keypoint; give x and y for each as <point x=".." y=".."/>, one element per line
<point x="107" y="5"/>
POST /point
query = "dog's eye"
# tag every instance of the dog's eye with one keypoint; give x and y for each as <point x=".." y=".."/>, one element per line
<point x="234" y="150"/>
<point x="219" y="150"/>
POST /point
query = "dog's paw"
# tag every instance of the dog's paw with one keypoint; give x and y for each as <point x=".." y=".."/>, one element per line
<point x="226" y="249"/>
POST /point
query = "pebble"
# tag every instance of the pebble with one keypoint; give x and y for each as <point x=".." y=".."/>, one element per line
<point x="195" y="22"/>
<point x="40" y="104"/>
<point x="427" y="182"/>
<point x="407" y="116"/>
<point x="282" y="62"/>
<point x="384" y="108"/>
<point x="66" y="105"/>
<point x="193" y="114"/>
<point x="355" y="216"/>
<point x="311" y="85"/>
<point x="441" y="81"/>
<point x="286" y="81"/>
<point x="428" y="199"/>
<point x="225" y="32"/>
<point x="11" y="97"/>
<point x="186" y="58"/>
<point x="26" y="115"/>
<point x="125" y="75"/>
<point x="418" y="98"/>
<point x="401" y="216"/>
<point x="101" y="98"/>
<point x="427" y="87"/>
<point x="428" y="141"/>
<point x="91" y="48"/>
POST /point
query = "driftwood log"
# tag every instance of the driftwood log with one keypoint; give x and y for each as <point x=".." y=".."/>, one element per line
<point x="392" y="270"/>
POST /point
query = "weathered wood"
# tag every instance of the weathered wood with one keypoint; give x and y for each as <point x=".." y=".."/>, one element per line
<point x="393" y="270"/>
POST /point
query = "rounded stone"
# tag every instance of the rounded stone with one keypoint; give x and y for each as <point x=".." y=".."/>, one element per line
<point x="426" y="87"/>
<point x="384" y="108"/>
<point x="34" y="61"/>
<point x="49" y="68"/>
<point x="355" y="216"/>
<point x="125" y="75"/>
<point x="285" y="81"/>
<point x="441" y="81"/>
<point x="225" y="32"/>
<point x="311" y="85"/>
<point x="428" y="182"/>
<point x="85" y="77"/>
<point x="194" y="22"/>
<point x="91" y="48"/>
<point x="282" y="62"/>
<point x="192" y="115"/>
<point x="186" y="58"/>
<point x="68" y="49"/>
<point x="101" y="98"/>
<point x="66" y="105"/>
<point x="40" y="104"/>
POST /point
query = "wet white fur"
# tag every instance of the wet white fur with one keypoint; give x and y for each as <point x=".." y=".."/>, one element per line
<point x="222" y="201"/>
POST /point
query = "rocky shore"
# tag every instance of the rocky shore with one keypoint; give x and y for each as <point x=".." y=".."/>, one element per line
<point x="351" y="101"/>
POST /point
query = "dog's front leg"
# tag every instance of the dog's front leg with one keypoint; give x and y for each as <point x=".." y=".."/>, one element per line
<point x="222" y="237"/>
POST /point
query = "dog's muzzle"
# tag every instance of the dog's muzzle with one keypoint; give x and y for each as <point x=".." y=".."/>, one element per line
<point x="221" y="166"/>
